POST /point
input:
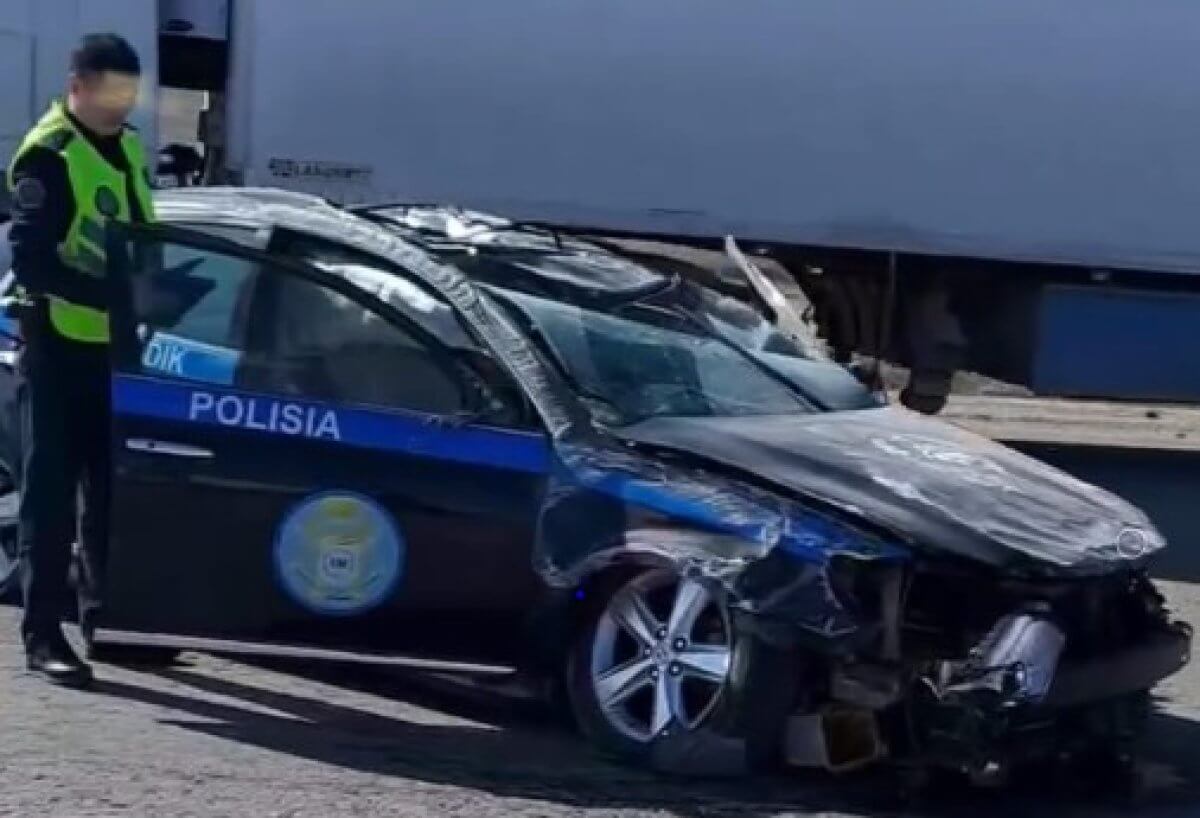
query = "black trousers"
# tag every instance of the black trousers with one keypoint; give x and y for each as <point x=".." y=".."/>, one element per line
<point x="66" y="430"/>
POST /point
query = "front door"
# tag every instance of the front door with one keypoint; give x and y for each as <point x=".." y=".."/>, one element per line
<point x="292" y="464"/>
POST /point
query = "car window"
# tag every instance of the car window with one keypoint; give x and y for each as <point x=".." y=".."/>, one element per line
<point x="644" y="360"/>
<point x="309" y="340"/>
<point x="221" y="283"/>
<point x="225" y="319"/>
<point x="189" y="306"/>
<point x="386" y="282"/>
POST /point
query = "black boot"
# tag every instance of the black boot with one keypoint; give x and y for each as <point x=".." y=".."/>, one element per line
<point x="55" y="661"/>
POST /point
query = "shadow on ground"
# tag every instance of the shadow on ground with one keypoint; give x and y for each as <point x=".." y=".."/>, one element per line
<point x="524" y="751"/>
<point x="508" y="753"/>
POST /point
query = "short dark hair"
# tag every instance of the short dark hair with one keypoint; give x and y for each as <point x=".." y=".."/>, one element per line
<point x="97" y="53"/>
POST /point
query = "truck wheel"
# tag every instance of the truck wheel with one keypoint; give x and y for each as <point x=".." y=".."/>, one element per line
<point x="649" y="666"/>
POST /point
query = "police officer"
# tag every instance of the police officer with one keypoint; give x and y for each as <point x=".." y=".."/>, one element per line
<point x="80" y="166"/>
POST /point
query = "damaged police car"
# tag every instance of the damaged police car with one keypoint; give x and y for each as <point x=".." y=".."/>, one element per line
<point x="438" y="437"/>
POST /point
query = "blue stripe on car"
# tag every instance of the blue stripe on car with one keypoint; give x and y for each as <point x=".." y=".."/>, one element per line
<point x="641" y="492"/>
<point x="424" y="436"/>
<point x="402" y="432"/>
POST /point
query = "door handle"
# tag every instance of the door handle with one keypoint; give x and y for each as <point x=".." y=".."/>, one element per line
<point x="150" y="446"/>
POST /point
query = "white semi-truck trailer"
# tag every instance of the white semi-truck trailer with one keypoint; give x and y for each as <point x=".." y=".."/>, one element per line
<point x="1005" y="186"/>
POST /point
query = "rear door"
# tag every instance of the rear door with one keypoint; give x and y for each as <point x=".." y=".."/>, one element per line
<point x="297" y="462"/>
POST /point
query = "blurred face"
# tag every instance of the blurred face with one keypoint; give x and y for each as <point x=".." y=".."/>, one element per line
<point x="103" y="101"/>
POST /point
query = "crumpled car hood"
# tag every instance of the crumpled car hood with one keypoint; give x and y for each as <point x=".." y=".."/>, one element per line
<point x="932" y="484"/>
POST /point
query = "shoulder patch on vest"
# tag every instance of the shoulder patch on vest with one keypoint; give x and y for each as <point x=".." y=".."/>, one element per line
<point x="57" y="140"/>
<point x="29" y="194"/>
<point x="106" y="201"/>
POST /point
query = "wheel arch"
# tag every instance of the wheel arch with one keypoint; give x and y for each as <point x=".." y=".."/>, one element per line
<point x="763" y="685"/>
<point x="573" y="594"/>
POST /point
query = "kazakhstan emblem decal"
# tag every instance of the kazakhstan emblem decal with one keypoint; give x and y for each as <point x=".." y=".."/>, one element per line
<point x="338" y="553"/>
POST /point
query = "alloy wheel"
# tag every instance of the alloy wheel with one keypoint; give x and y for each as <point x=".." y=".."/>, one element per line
<point x="660" y="656"/>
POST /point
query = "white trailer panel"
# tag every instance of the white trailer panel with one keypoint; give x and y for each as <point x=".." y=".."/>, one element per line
<point x="1028" y="129"/>
<point x="36" y="38"/>
<point x="16" y="78"/>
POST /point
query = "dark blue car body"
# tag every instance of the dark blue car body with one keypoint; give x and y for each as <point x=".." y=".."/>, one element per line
<point x="352" y="432"/>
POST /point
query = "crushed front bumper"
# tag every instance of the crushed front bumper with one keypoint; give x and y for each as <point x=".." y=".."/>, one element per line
<point x="1137" y="668"/>
<point x="1093" y="704"/>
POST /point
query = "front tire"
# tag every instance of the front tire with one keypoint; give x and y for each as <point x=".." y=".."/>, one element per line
<point x="651" y="664"/>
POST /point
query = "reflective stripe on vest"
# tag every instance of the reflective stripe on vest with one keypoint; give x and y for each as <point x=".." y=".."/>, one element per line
<point x="100" y="193"/>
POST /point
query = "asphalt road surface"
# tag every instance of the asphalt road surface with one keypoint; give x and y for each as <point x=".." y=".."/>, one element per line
<point x="218" y="737"/>
<point x="215" y="737"/>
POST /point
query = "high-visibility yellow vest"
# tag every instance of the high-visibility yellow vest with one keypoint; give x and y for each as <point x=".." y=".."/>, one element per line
<point x="100" y="194"/>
